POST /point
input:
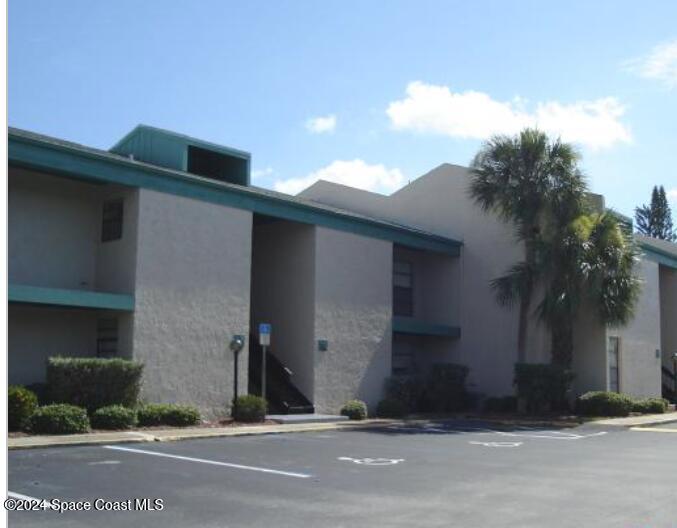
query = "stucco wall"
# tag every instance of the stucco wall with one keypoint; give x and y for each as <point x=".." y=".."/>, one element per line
<point x="283" y="294"/>
<point x="353" y="311"/>
<point x="192" y="295"/>
<point x="36" y="333"/>
<point x="590" y="356"/>
<point x="639" y="366"/>
<point x="53" y="230"/>
<point x="488" y="332"/>
<point x="668" y="299"/>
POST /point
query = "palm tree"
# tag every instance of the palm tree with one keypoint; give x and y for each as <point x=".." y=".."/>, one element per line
<point x="530" y="182"/>
<point x="590" y="260"/>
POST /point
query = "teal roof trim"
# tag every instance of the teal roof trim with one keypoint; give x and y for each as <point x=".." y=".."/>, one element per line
<point x="661" y="257"/>
<point x="20" y="293"/>
<point x="46" y="154"/>
<point x="404" y="325"/>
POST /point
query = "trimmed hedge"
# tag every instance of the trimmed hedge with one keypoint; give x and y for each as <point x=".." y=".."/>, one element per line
<point x="168" y="414"/>
<point x="408" y="391"/>
<point x="650" y="406"/>
<point x="503" y="404"/>
<point x="249" y="408"/>
<point x="114" y="417"/>
<point x="354" y="409"/>
<point x="543" y="386"/>
<point x="94" y="382"/>
<point x="391" y="408"/>
<point x="445" y="387"/>
<point x="21" y="403"/>
<point x="600" y="403"/>
<point x="58" y="418"/>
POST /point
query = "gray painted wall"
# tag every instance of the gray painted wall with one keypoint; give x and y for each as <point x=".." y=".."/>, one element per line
<point x="353" y="311"/>
<point x="53" y="230"/>
<point x="36" y="333"/>
<point x="668" y="299"/>
<point x="641" y="338"/>
<point x="283" y="294"/>
<point x="192" y="295"/>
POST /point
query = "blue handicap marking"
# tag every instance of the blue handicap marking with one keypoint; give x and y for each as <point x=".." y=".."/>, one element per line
<point x="264" y="328"/>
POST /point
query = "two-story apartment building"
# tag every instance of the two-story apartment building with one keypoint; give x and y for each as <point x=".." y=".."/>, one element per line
<point x="160" y="250"/>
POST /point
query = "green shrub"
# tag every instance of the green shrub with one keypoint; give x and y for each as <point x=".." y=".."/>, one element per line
<point x="543" y="386"/>
<point x="114" y="417"/>
<point x="58" y="418"/>
<point x="40" y="390"/>
<point x="168" y="414"/>
<point x="602" y="403"/>
<point x="446" y="387"/>
<point x="502" y="404"/>
<point x="650" y="406"/>
<point x="408" y="391"/>
<point x="250" y="408"/>
<point x="21" y="403"/>
<point x="354" y="409"/>
<point x="94" y="382"/>
<point x="391" y="408"/>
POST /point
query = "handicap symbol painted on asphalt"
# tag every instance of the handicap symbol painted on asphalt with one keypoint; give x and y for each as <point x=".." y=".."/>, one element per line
<point x="497" y="444"/>
<point x="373" y="461"/>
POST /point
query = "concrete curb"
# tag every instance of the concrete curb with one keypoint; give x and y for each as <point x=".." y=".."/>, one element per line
<point x="173" y="435"/>
<point x="645" y="420"/>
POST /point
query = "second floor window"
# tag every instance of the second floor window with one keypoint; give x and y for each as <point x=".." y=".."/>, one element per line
<point x="403" y="294"/>
<point x="111" y="220"/>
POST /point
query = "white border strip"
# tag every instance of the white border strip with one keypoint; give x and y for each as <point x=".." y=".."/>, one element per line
<point x="11" y="494"/>
<point x="212" y="462"/>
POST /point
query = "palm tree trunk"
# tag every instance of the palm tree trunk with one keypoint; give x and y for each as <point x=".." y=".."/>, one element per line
<point x="523" y="327"/>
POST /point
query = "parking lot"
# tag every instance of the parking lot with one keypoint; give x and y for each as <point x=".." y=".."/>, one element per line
<point x="439" y="474"/>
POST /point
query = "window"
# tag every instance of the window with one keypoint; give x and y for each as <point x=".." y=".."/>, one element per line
<point x="107" y="337"/>
<point x="403" y="361"/>
<point x="111" y="220"/>
<point x="613" y="353"/>
<point x="403" y="296"/>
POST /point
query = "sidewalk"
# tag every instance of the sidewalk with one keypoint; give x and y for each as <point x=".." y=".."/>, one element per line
<point x="635" y="421"/>
<point x="187" y="433"/>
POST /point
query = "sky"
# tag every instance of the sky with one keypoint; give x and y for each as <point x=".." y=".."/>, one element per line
<point x="370" y="94"/>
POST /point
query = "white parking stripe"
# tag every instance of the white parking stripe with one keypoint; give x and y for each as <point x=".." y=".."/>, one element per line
<point x="212" y="462"/>
<point x="19" y="496"/>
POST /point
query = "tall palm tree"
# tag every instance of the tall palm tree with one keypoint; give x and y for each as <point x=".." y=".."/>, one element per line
<point x="530" y="182"/>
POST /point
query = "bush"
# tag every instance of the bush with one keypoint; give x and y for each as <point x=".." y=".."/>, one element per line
<point x="391" y="408"/>
<point x="94" y="382"/>
<point x="58" y="418"/>
<point x="504" y="404"/>
<point x="543" y="386"/>
<point x="21" y="403"/>
<point x="354" y="409"/>
<point x="114" y="417"/>
<point x="446" y="387"/>
<point x="602" y="403"/>
<point x="40" y="390"/>
<point x="168" y="414"/>
<point x="250" y="408"/>
<point x="406" y="390"/>
<point x="650" y="406"/>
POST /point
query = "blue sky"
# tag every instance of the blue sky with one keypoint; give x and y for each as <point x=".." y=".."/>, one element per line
<point x="371" y="94"/>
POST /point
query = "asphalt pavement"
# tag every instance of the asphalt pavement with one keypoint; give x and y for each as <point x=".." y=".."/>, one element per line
<point x="445" y="474"/>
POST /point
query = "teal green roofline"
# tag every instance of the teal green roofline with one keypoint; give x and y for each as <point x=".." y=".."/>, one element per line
<point x="405" y="325"/>
<point x="661" y="257"/>
<point x="71" y="160"/>
<point x="21" y="293"/>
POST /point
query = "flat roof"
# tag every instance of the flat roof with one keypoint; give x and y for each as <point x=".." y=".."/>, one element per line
<point x="661" y="251"/>
<point x="53" y="155"/>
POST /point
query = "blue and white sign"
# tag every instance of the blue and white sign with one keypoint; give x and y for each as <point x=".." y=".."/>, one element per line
<point x="264" y="334"/>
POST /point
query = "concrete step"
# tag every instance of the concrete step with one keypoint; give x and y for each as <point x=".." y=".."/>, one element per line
<point x="305" y="418"/>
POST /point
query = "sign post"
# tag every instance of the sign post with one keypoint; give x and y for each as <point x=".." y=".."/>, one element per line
<point x="264" y="341"/>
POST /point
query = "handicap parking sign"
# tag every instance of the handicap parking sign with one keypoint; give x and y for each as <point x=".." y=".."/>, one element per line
<point x="264" y="334"/>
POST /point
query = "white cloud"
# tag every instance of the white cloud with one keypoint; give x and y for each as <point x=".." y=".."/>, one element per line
<point x="262" y="173"/>
<point x="672" y="195"/>
<point x="659" y="64"/>
<point x="322" y="124"/>
<point x="436" y="109"/>
<point x="355" y="173"/>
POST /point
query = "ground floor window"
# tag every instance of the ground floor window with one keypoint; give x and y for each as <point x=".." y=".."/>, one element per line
<point x="107" y="337"/>
<point x="613" y="353"/>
